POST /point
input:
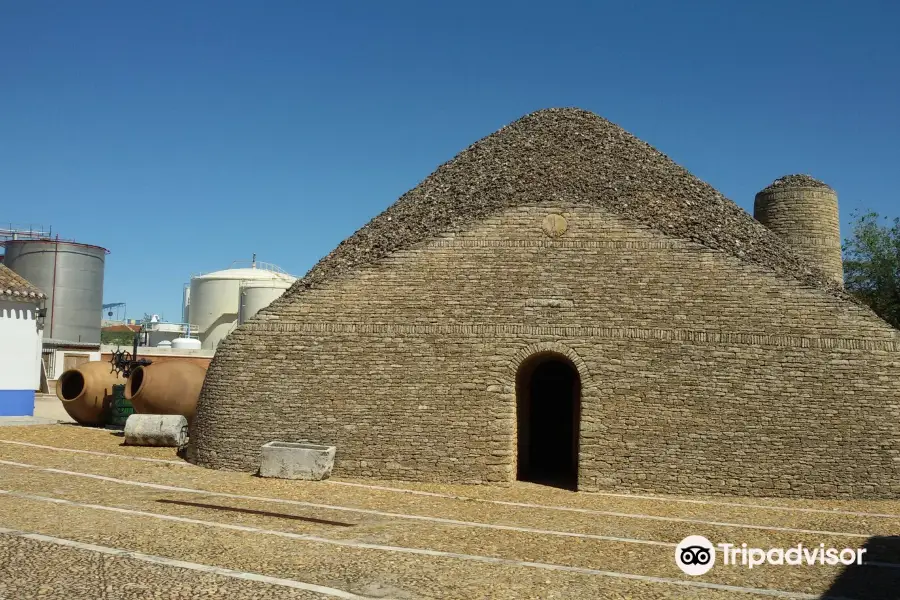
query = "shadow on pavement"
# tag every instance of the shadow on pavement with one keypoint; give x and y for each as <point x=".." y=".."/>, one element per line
<point x="261" y="513"/>
<point x="878" y="581"/>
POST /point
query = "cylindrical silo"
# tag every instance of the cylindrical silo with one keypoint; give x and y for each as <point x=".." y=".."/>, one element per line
<point x="186" y="304"/>
<point x="71" y="275"/>
<point x="186" y="344"/>
<point x="258" y="294"/>
<point x="215" y="300"/>
<point x="804" y="212"/>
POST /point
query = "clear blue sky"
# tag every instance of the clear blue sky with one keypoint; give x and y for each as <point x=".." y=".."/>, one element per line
<point x="185" y="135"/>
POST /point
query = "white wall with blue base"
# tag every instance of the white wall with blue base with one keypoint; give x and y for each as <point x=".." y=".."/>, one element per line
<point x="20" y="358"/>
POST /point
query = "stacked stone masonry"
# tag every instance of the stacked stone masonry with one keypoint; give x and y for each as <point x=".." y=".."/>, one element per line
<point x="807" y="218"/>
<point x="700" y="372"/>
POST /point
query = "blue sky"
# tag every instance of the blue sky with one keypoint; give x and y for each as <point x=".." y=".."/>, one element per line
<point x="185" y="135"/>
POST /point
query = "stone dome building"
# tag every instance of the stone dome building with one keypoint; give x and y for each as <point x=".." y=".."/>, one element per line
<point x="562" y="303"/>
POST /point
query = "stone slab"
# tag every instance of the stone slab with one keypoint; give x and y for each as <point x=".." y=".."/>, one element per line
<point x="289" y="460"/>
<point x="156" y="430"/>
<point x="13" y="421"/>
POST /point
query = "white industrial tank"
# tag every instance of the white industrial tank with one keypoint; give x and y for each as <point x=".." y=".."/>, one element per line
<point x="158" y="332"/>
<point x="215" y="298"/>
<point x="258" y="294"/>
<point x="186" y="304"/>
<point x="186" y="344"/>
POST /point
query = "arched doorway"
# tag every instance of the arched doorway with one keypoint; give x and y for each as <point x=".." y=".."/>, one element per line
<point x="548" y="407"/>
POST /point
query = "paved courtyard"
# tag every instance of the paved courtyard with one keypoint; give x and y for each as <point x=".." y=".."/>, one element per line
<point x="82" y="516"/>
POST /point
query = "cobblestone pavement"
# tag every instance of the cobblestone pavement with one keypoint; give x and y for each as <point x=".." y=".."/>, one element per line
<point x="82" y="516"/>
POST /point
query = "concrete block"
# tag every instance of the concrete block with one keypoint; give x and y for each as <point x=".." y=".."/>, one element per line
<point x="156" y="430"/>
<point x="289" y="460"/>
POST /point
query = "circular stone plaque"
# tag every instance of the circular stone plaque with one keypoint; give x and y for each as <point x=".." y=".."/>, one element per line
<point x="554" y="225"/>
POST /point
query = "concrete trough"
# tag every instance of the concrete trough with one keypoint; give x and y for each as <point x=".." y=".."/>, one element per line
<point x="291" y="460"/>
<point x="156" y="430"/>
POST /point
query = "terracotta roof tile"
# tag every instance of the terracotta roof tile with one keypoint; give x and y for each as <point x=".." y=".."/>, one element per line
<point x="16" y="287"/>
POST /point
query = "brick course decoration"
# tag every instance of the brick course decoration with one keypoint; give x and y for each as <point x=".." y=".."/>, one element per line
<point x="712" y="358"/>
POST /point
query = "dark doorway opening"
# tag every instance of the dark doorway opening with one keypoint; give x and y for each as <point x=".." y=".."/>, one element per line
<point x="548" y="393"/>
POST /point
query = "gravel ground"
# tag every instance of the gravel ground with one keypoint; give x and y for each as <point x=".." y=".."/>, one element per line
<point x="32" y="569"/>
<point x="351" y="569"/>
<point x="110" y="441"/>
<point x="329" y="493"/>
<point x="514" y="545"/>
<point x="383" y="572"/>
<point x="97" y="439"/>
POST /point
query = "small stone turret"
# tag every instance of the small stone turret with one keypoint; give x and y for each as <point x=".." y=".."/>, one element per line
<point x="804" y="212"/>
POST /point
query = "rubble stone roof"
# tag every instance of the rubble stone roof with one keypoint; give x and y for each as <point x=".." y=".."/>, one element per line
<point x="566" y="154"/>
<point x="795" y="181"/>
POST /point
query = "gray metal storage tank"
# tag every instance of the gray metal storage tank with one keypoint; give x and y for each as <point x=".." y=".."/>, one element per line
<point x="71" y="275"/>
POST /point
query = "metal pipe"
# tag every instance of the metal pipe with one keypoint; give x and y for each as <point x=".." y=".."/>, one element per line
<point x="53" y="287"/>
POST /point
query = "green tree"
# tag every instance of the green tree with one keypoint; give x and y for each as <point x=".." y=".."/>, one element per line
<point x="872" y="264"/>
<point x="117" y="338"/>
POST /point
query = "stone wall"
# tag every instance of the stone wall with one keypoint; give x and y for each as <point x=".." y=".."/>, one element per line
<point x="699" y="372"/>
<point x="807" y="218"/>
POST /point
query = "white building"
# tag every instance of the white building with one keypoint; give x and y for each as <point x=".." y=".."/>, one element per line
<point x="20" y="343"/>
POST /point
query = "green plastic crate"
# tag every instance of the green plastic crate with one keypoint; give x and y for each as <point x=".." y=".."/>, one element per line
<point x="121" y="408"/>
